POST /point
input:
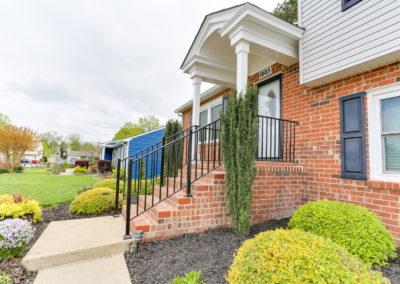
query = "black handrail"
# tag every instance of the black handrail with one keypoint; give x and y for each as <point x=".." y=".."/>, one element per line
<point x="276" y="139"/>
<point x="197" y="149"/>
<point x="156" y="175"/>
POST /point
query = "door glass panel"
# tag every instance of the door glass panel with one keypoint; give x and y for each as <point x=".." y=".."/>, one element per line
<point x="391" y="115"/>
<point x="203" y="122"/>
<point x="269" y="129"/>
<point x="215" y="115"/>
<point x="392" y="153"/>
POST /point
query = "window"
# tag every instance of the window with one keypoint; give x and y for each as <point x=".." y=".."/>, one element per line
<point x="390" y="109"/>
<point x="209" y="113"/>
<point x="384" y="132"/>
<point x="348" y="3"/>
<point x="215" y="115"/>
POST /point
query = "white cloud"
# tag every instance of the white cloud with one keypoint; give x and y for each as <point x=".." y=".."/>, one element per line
<point x="89" y="66"/>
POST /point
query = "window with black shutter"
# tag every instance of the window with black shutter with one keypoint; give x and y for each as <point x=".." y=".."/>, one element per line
<point x="352" y="137"/>
<point x="348" y="3"/>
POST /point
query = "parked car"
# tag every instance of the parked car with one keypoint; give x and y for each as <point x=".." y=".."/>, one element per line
<point x="59" y="163"/>
<point x="25" y="161"/>
<point x="35" y="161"/>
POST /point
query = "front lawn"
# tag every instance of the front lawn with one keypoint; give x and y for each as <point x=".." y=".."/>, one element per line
<point x="43" y="186"/>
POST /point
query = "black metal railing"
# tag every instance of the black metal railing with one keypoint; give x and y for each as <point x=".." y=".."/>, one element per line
<point x="276" y="139"/>
<point x="154" y="176"/>
<point x="165" y="168"/>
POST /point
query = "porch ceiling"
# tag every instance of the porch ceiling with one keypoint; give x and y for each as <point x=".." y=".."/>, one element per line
<point x="212" y="56"/>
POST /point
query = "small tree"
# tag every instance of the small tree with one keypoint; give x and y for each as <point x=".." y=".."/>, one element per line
<point x="147" y="123"/>
<point x="4" y="120"/>
<point x="239" y="143"/>
<point x="14" y="142"/>
<point x="287" y="10"/>
<point x="171" y="164"/>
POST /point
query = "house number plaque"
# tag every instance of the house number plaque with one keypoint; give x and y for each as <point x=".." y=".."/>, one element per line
<point x="265" y="72"/>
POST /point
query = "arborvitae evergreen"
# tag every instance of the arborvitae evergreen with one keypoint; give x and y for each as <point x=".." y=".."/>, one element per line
<point x="239" y="143"/>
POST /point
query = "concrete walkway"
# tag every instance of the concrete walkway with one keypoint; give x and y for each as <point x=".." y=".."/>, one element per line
<point x="80" y="251"/>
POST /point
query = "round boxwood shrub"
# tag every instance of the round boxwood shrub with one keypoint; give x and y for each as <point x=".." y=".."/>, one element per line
<point x="348" y="225"/>
<point x="95" y="201"/>
<point x="295" y="256"/>
<point x="15" y="235"/>
<point x="19" y="207"/>
<point x="110" y="183"/>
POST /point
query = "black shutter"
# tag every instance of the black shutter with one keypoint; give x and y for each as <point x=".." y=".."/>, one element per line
<point x="191" y="114"/>
<point x="352" y="137"/>
<point x="225" y="103"/>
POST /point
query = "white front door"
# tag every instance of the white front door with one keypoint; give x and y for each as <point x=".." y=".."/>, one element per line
<point x="269" y="107"/>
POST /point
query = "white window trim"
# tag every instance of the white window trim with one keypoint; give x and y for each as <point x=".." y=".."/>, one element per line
<point x="374" y="97"/>
<point x="208" y="106"/>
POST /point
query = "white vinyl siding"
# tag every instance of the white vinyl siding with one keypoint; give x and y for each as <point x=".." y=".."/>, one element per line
<point x="337" y="40"/>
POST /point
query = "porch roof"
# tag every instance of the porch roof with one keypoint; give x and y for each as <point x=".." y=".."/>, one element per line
<point x="204" y="96"/>
<point x="212" y="55"/>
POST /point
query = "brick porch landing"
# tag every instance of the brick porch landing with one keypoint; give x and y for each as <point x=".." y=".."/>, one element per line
<point x="277" y="193"/>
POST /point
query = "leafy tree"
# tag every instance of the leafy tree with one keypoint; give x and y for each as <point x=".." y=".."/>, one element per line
<point x="14" y="142"/>
<point x="4" y="120"/>
<point x="239" y="143"/>
<point x="287" y="10"/>
<point x="127" y="132"/>
<point x="74" y="142"/>
<point x="50" y="142"/>
<point x="89" y="148"/>
<point x="63" y="149"/>
<point x="147" y="123"/>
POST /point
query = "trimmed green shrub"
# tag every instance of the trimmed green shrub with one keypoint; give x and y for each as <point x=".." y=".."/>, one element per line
<point x="3" y="170"/>
<point x="348" y="225"/>
<point x="18" y="169"/>
<point x="19" y="207"/>
<point x="239" y="144"/>
<point x="175" y="150"/>
<point x="295" y="256"/>
<point x="192" y="277"/>
<point x="15" y="235"/>
<point x="121" y="173"/>
<point x="95" y="201"/>
<point x="80" y="171"/>
<point x="110" y="183"/>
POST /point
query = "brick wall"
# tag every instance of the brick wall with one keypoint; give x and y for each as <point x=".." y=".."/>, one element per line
<point x="318" y="148"/>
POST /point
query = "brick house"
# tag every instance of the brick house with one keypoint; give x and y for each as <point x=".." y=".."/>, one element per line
<point x="329" y="113"/>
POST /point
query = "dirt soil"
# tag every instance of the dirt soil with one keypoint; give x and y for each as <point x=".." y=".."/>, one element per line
<point x="13" y="267"/>
<point x="211" y="252"/>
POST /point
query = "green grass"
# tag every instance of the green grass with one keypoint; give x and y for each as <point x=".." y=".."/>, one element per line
<point x="43" y="186"/>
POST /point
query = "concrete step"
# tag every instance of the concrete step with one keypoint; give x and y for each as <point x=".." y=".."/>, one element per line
<point x="74" y="240"/>
<point x="102" y="270"/>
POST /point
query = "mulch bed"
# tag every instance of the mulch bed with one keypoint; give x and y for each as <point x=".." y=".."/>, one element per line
<point x="211" y="252"/>
<point x="13" y="267"/>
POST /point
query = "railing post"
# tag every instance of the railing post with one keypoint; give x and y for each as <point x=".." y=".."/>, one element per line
<point x="189" y="164"/>
<point x="117" y="188"/>
<point x="162" y="163"/>
<point x="128" y="202"/>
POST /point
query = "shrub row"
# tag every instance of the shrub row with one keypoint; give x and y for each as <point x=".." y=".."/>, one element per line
<point x="82" y="164"/>
<point x="16" y="206"/>
<point x="329" y="242"/>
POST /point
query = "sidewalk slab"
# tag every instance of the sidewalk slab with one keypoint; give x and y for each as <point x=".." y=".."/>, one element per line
<point x="74" y="240"/>
<point x="103" y="270"/>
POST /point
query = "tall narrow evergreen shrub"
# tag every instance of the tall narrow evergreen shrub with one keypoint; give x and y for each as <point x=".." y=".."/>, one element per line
<point x="239" y="143"/>
<point x="173" y="153"/>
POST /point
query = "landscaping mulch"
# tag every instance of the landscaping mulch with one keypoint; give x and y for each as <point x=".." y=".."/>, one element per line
<point x="14" y="267"/>
<point x="211" y="252"/>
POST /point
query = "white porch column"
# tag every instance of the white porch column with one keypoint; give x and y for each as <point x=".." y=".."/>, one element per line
<point x="242" y="55"/>
<point x="196" y="101"/>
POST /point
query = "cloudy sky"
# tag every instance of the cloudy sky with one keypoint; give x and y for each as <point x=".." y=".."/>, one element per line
<point x="88" y="66"/>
